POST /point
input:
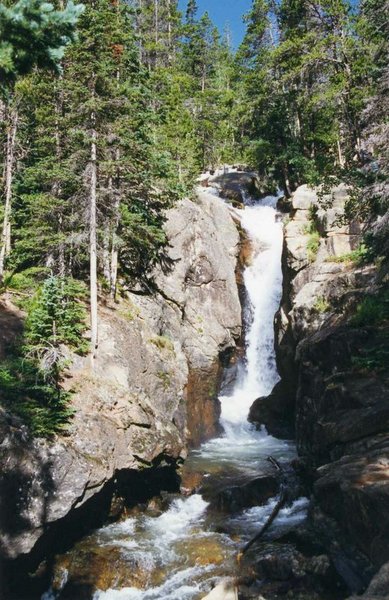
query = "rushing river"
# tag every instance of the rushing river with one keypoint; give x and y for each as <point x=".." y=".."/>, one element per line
<point x="183" y="551"/>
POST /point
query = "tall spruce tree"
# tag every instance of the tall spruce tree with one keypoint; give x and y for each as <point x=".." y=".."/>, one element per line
<point x="32" y="34"/>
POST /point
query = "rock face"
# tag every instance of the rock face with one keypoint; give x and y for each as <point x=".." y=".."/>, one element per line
<point x="199" y="303"/>
<point x="341" y="409"/>
<point x="152" y="392"/>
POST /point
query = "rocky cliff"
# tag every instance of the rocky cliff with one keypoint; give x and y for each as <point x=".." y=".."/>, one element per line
<point x="332" y="339"/>
<point x="153" y="392"/>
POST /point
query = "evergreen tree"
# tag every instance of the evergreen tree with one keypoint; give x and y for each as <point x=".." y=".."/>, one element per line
<point x="32" y="34"/>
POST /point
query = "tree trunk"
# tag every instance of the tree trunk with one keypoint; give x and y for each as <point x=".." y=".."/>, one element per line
<point x="114" y="269"/>
<point x="287" y="187"/>
<point x="115" y="225"/>
<point x="156" y="18"/>
<point x="93" y="238"/>
<point x="340" y="155"/>
<point x="57" y="191"/>
<point x="12" y="126"/>
<point x="169" y="32"/>
<point x="106" y="253"/>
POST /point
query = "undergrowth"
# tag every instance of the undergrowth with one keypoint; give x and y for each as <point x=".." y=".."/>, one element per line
<point x="31" y="375"/>
<point x="375" y="358"/>
<point x="357" y="257"/>
<point x="25" y="392"/>
<point x="162" y="342"/>
<point x="312" y="230"/>
<point x="372" y="310"/>
<point x="321" y="305"/>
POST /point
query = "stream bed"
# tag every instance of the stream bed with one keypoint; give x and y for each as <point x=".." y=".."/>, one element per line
<point x="180" y="549"/>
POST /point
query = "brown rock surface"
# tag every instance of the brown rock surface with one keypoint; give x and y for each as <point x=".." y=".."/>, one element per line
<point x="143" y="401"/>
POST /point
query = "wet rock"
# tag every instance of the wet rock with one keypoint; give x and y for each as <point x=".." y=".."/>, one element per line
<point x="337" y="405"/>
<point x="191" y="480"/>
<point x="199" y="305"/>
<point x="295" y="566"/>
<point x="245" y="494"/>
<point x="98" y="567"/>
<point x="236" y="184"/>
<point x="203" y="550"/>
<point x="203" y="405"/>
<point x="355" y="491"/>
<point x="275" y="412"/>
<point x="282" y="562"/>
<point x="284" y="204"/>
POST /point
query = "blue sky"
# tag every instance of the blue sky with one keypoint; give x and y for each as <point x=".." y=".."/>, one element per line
<point x="222" y="12"/>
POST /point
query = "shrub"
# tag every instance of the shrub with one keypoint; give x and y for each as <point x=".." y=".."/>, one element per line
<point x="30" y="378"/>
<point x="321" y="305"/>
<point x="57" y="315"/>
<point x="373" y="310"/>
<point x="313" y="245"/>
<point x="162" y="342"/>
<point x="359" y="256"/>
<point x="25" y="392"/>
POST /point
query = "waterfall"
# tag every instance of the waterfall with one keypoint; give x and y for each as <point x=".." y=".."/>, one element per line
<point x="170" y="542"/>
<point x="263" y="283"/>
<point x="257" y="373"/>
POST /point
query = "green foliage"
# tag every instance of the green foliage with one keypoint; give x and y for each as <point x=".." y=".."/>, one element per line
<point x="57" y="316"/>
<point x="30" y="379"/>
<point x="313" y="245"/>
<point x="321" y="305"/>
<point x="311" y="229"/>
<point x="25" y="392"/>
<point x="375" y="358"/>
<point x="33" y="33"/>
<point x="358" y="257"/>
<point x="304" y="73"/>
<point x="165" y="378"/>
<point x="129" y="311"/>
<point x="372" y="310"/>
<point x="23" y="281"/>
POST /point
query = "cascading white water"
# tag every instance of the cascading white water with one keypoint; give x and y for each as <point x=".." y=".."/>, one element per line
<point x="263" y="283"/>
<point x="161" y="542"/>
<point x="257" y="375"/>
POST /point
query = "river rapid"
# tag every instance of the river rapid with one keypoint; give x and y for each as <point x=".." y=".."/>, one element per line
<point x="186" y="549"/>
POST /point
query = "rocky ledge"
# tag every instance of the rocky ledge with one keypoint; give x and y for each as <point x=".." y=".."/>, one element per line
<point x="152" y="392"/>
<point x="333" y="391"/>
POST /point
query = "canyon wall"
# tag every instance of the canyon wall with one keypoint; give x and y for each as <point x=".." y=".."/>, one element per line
<point x="151" y="394"/>
<point x="332" y="389"/>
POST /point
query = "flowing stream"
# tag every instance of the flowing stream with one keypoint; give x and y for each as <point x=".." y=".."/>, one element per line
<point x="182" y="552"/>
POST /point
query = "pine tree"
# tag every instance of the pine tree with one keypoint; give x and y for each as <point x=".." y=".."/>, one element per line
<point x="32" y="34"/>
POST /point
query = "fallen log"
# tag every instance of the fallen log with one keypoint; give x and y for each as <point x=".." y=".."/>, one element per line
<point x="280" y="504"/>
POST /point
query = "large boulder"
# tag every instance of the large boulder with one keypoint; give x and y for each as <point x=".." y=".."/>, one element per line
<point x="355" y="492"/>
<point x="379" y="586"/>
<point x="226" y="590"/>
